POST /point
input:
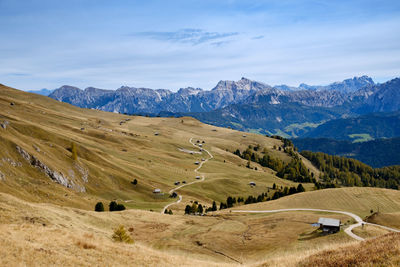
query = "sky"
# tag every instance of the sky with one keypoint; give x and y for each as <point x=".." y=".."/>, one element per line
<point x="175" y="44"/>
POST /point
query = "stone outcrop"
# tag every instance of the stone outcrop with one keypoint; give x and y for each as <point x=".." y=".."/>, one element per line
<point x="4" y="124"/>
<point x="57" y="177"/>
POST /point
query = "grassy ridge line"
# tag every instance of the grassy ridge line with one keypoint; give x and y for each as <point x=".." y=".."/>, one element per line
<point x="358" y="200"/>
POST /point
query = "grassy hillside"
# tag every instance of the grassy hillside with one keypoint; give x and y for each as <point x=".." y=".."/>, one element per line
<point x="382" y="251"/>
<point x="114" y="149"/>
<point x="45" y="233"/>
<point x="359" y="200"/>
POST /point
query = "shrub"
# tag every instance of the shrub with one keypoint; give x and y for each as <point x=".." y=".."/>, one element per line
<point x="99" y="207"/>
<point x="120" y="235"/>
<point x="134" y="182"/>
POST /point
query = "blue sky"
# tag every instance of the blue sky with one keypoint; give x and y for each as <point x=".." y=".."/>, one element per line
<point x="174" y="44"/>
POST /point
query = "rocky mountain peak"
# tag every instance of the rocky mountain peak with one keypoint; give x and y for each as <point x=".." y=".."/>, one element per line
<point x="189" y="91"/>
<point x="242" y="84"/>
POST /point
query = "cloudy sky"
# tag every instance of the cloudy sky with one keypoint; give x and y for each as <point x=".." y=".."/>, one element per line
<point x="173" y="44"/>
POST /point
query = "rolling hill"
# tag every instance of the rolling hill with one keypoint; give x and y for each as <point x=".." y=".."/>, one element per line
<point x="57" y="161"/>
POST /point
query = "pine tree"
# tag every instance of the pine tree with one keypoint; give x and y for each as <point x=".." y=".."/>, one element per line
<point x="214" y="206"/>
<point x="99" y="207"/>
<point x="300" y="188"/>
<point x="187" y="209"/>
<point x="200" y="209"/>
<point x="112" y="206"/>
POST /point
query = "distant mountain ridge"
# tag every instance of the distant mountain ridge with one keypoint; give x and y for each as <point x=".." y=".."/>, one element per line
<point x="132" y="100"/>
<point x="246" y="104"/>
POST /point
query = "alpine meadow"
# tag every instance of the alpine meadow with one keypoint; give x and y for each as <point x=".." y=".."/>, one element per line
<point x="200" y="133"/>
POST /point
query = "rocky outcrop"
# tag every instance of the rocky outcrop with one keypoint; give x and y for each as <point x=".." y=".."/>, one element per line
<point x="4" y="124"/>
<point x="57" y="177"/>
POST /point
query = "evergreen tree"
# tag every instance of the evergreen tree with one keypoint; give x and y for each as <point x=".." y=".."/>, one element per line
<point x="99" y="207"/>
<point x="200" y="209"/>
<point x="112" y="206"/>
<point x="214" y="206"/>
<point x="187" y="209"/>
<point x="300" y="188"/>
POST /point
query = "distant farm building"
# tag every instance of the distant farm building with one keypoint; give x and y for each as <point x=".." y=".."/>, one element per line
<point x="203" y="159"/>
<point x="156" y="133"/>
<point x="198" y="177"/>
<point x="200" y="145"/>
<point x="177" y="182"/>
<point x="328" y="225"/>
<point x="252" y="184"/>
<point x="157" y="191"/>
<point x="197" y="163"/>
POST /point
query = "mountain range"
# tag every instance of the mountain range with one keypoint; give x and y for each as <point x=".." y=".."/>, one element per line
<point x="247" y="105"/>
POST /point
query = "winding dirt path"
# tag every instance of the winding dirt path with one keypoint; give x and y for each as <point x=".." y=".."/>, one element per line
<point x="197" y="181"/>
<point x="348" y="230"/>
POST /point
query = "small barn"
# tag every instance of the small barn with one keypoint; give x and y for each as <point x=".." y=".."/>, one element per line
<point x="157" y="191"/>
<point x="200" y="145"/>
<point x="328" y="225"/>
<point x="252" y="184"/>
<point x="197" y="163"/>
<point x="198" y="177"/>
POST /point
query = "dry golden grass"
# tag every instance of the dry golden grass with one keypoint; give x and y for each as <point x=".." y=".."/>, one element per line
<point x="382" y="251"/>
<point x="388" y="219"/>
<point x="370" y="231"/>
<point x="359" y="200"/>
<point x="222" y="239"/>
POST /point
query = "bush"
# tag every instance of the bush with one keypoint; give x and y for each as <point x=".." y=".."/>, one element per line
<point x="134" y="182"/>
<point x="99" y="207"/>
<point x="120" y="235"/>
